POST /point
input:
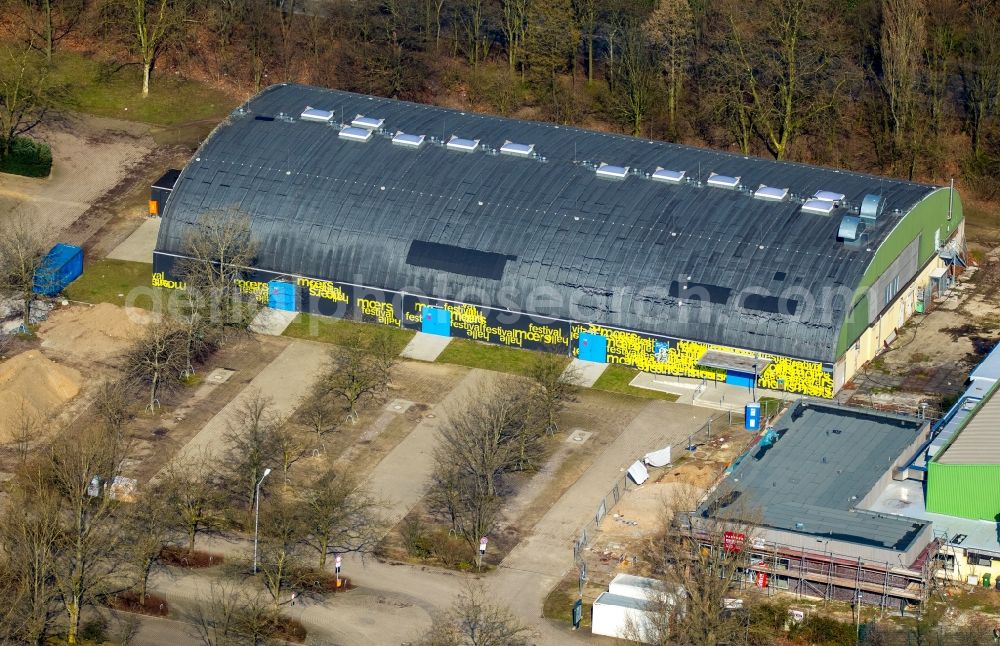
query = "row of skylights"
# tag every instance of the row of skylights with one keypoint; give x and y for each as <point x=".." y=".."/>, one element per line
<point x="821" y="203"/>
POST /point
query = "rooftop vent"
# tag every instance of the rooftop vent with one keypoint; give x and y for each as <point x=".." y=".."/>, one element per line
<point x="771" y="193"/>
<point x="369" y="123"/>
<point x="829" y="196"/>
<point x="671" y="176"/>
<point x="849" y="226"/>
<point x="315" y="114"/>
<point x="818" y="207"/>
<point x="463" y="145"/>
<point x="518" y="150"/>
<point x="355" y="134"/>
<point x="410" y="141"/>
<point x="871" y="207"/>
<point x="612" y="172"/>
<point x="723" y="181"/>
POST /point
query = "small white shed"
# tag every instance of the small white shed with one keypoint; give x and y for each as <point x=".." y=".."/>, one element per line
<point x="618" y="616"/>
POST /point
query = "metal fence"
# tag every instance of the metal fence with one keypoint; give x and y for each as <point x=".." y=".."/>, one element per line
<point x="623" y="483"/>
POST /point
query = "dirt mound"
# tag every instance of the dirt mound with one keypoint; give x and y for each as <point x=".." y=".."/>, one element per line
<point x="99" y="332"/>
<point x="32" y="383"/>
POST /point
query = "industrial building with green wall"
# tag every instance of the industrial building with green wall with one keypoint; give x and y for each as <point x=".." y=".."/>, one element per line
<point x="666" y="258"/>
<point x="963" y="479"/>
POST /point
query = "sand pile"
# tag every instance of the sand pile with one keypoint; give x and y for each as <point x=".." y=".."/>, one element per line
<point x="32" y="383"/>
<point x="98" y="333"/>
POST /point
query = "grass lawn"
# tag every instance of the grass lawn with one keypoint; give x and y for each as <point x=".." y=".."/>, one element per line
<point x="337" y="331"/>
<point x="558" y="604"/>
<point x="106" y="90"/>
<point x="616" y="379"/>
<point x="112" y="281"/>
<point x="473" y="354"/>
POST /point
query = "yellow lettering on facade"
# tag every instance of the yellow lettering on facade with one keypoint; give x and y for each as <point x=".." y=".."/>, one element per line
<point x="160" y="280"/>
<point x="382" y="312"/>
<point x="324" y="289"/>
<point x="255" y="288"/>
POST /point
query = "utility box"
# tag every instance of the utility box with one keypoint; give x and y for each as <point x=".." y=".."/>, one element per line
<point x="61" y="266"/>
<point x="751" y="416"/>
<point x="160" y="191"/>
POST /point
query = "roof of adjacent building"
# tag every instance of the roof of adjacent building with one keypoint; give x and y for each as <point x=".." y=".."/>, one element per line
<point x="543" y="233"/>
<point x="977" y="441"/>
<point x="825" y="461"/>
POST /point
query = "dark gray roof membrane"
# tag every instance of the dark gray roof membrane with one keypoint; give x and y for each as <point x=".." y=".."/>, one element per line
<point x="826" y="460"/>
<point x="457" y="260"/>
<point x="604" y="251"/>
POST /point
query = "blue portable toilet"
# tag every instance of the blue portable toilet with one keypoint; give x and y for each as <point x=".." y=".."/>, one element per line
<point x="751" y="416"/>
<point x="61" y="266"/>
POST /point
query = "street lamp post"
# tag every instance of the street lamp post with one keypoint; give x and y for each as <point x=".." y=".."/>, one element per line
<point x="256" y="516"/>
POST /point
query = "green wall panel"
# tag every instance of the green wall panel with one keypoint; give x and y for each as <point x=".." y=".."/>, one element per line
<point x="964" y="490"/>
<point x="923" y="219"/>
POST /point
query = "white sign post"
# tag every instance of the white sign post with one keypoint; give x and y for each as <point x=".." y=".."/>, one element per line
<point x="482" y="550"/>
<point x="336" y="564"/>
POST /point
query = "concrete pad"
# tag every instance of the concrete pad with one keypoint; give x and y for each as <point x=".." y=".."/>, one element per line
<point x="398" y="406"/>
<point x="587" y="372"/>
<point x="707" y="394"/>
<point x="284" y="381"/>
<point x="272" y="322"/>
<point x="139" y="246"/>
<point x="425" y="347"/>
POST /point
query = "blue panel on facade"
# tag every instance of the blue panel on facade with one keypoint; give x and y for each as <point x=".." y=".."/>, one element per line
<point x="435" y="320"/>
<point x="739" y="378"/>
<point x="751" y="416"/>
<point x="281" y="296"/>
<point x="593" y="347"/>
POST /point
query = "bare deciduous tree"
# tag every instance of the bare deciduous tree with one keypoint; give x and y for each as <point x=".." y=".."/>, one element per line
<point x="670" y="29"/>
<point x="191" y="496"/>
<point x="46" y="22"/>
<point x="153" y="23"/>
<point x="282" y="536"/>
<point x="26" y="428"/>
<point x="156" y="361"/>
<point x="554" y="385"/>
<point x="218" y="249"/>
<point x="252" y="447"/>
<point x="700" y="561"/>
<point x="27" y="94"/>
<point x="902" y="42"/>
<point x="231" y="616"/>
<point x="635" y="83"/>
<point x="81" y="466"/>
<point x="360" y="372"/>
<point x="29" y="535"/>
<point x="474" y="621"/>
<point x="319" y="412"/>
<point x="340" y="517"/>
<point x="147" y="528"/>
<point x="22" y="255"/>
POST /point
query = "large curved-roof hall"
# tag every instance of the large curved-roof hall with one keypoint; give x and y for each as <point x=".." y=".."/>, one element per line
<point x="670" y="259"/>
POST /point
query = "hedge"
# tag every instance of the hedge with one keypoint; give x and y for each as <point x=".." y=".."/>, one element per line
<point x="28" y="158"/>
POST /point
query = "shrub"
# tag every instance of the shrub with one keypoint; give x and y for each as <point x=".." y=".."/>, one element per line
<point x="28" y="158"/>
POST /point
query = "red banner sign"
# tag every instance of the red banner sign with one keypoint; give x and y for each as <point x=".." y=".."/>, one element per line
<point x="733" y="541"/>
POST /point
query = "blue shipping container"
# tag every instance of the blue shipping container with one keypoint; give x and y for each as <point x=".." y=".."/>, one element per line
<point x="61" y="266"/>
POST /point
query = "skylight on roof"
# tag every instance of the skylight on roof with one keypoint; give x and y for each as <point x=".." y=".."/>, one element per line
<point x="771" y="193"/>
<point x="664" y="175"/>
<point x="519" y="150"/>
<point x="463" y="145"/>
<point x="829" y="196"/>
<point x="370" y="123"/>
<point x="723" y="181"/>
<point x="355" y="134"/>
<point x="818" y="207"/>
<point x="317" y="115"/>
<point x="411" y="141"/>
<point x="612" y="172"/>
